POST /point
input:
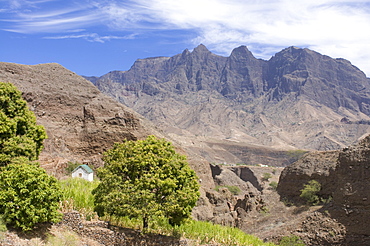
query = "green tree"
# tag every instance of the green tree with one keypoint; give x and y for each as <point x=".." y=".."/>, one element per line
<point x="19" y="133"/>
<point x="309" y="192"/>
<point x="146" y="178"/>
<point x="28" y="195"/>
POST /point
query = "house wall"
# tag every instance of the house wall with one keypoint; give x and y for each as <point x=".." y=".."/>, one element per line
<point x="80" y="173"/>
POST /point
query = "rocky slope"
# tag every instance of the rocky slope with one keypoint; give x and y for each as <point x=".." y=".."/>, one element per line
<point x="344" y="175"/>
<point x="81" y="122"/>
<point x="299" y="99"/>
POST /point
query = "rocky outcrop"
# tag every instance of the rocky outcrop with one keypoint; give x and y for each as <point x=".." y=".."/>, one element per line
<point x="312" y="166"/>
<point x="345" y="176"/>
<point x="227" y="208"/>
<point x="351" y="198"/>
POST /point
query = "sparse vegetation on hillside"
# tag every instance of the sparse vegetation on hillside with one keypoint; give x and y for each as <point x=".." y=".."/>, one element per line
<point x="266" y="177"/>
<point x="20" y="136"/>
<point x="235" y="190"/>
<point x="146" y="178"/>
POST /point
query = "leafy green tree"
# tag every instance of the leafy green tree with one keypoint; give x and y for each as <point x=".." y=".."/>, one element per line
<point x="146" y="178"/>
<point x="28" y="195"/>
<point x="309" y="192"/>
<point x="19" y="133"/>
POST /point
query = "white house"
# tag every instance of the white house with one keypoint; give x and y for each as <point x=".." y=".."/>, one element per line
<point x="83" y="171"/>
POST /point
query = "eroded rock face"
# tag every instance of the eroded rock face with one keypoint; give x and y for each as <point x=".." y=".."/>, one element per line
<point x="351" y="198"/>
<point x="312" y="166"/>
<point x="223" y="207"/>
<point x="344" y="175"/>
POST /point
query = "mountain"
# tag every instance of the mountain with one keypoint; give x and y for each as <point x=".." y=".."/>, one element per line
<point x="299" y="99"/>
<point x="81" y="122"/>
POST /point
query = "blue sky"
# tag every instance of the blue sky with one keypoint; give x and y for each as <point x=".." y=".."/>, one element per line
<point x="93" y="37"/>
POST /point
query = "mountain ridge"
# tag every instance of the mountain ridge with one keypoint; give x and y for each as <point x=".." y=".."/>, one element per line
<point x="295" y="100"/>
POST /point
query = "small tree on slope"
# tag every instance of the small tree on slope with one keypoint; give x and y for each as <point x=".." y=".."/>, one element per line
<point x="19" y="133"/>
<point x="27" y="194"/>
<point x="146" y="178"/>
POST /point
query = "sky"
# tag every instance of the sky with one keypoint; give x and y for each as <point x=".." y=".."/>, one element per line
<point x="93" y="37"/>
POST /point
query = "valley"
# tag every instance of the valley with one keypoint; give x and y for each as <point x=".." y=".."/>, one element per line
<point x="264" y="127"/>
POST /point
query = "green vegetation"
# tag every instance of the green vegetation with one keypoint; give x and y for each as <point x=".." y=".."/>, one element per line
<point x="266" y="176"/>
<point x="235" y="190"/>
<point x="309" y="192"/>
<point x="77" y="192"/>
<point x="64" y="238"/>
<point x="72" y="166"/>
<point x="146" y="178"/>
<point x="273" y="185"/>
<point x="200" y="231"/>
<point x="20" y="136"/>
<point x="28" y="196"/>
<point x="291" y="241"/>
<point x="295" y="155"/>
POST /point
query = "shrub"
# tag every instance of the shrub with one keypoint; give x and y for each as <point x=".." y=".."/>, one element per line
<point x="266" y="176"/>
<point x="273" y="185"/>
<point x="235" y="190"/>
<point x="71" y="166"/>
<point x="28" y="196"/>
<point x="20" y="136"/>
<point x="309" y="192"/>
<point x="291" y="241"/>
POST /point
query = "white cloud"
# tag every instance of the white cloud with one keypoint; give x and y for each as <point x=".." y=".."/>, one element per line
<point x="338" y="28"/>
<point x="92" y="37"/>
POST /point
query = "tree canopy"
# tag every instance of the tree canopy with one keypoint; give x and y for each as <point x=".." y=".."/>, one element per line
<point x="146" y="178"/>
<point x="28" y="195"/>
<point x="19" y="133"/>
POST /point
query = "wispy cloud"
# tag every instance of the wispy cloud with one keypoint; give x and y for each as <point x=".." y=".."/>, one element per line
<point x="92" y="37"/>
<point x="338" y="28"/>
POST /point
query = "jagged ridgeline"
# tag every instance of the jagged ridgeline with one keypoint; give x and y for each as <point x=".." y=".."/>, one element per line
<point x="221" y="106"/>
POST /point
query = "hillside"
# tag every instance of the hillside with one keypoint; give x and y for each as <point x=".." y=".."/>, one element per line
<point x="299" y="99"/>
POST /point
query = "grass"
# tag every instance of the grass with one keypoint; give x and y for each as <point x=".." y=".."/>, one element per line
<point x="77" y="195"/>
<point x="77" y="192"/>
<point x="200" y="232"/>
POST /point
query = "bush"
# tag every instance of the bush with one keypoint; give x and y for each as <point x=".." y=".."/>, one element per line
<point x="291" y="241"/>
<point x="235" y="190"/>
<point x="273" y="185"/>
<point x="20" y="136"/>
<point x="28" y="196"/>
<point x="309" y="192"/>
<point x="71" y="166"/>
<point x="266" y="176"/>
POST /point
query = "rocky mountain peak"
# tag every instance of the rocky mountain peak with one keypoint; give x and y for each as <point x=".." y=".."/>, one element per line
<point x="201" y="49"/>
<point x="294" y="100"/>
<point x="242" y="51"/>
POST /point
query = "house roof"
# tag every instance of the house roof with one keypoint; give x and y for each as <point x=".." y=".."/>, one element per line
<point x="86" y="168"/>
